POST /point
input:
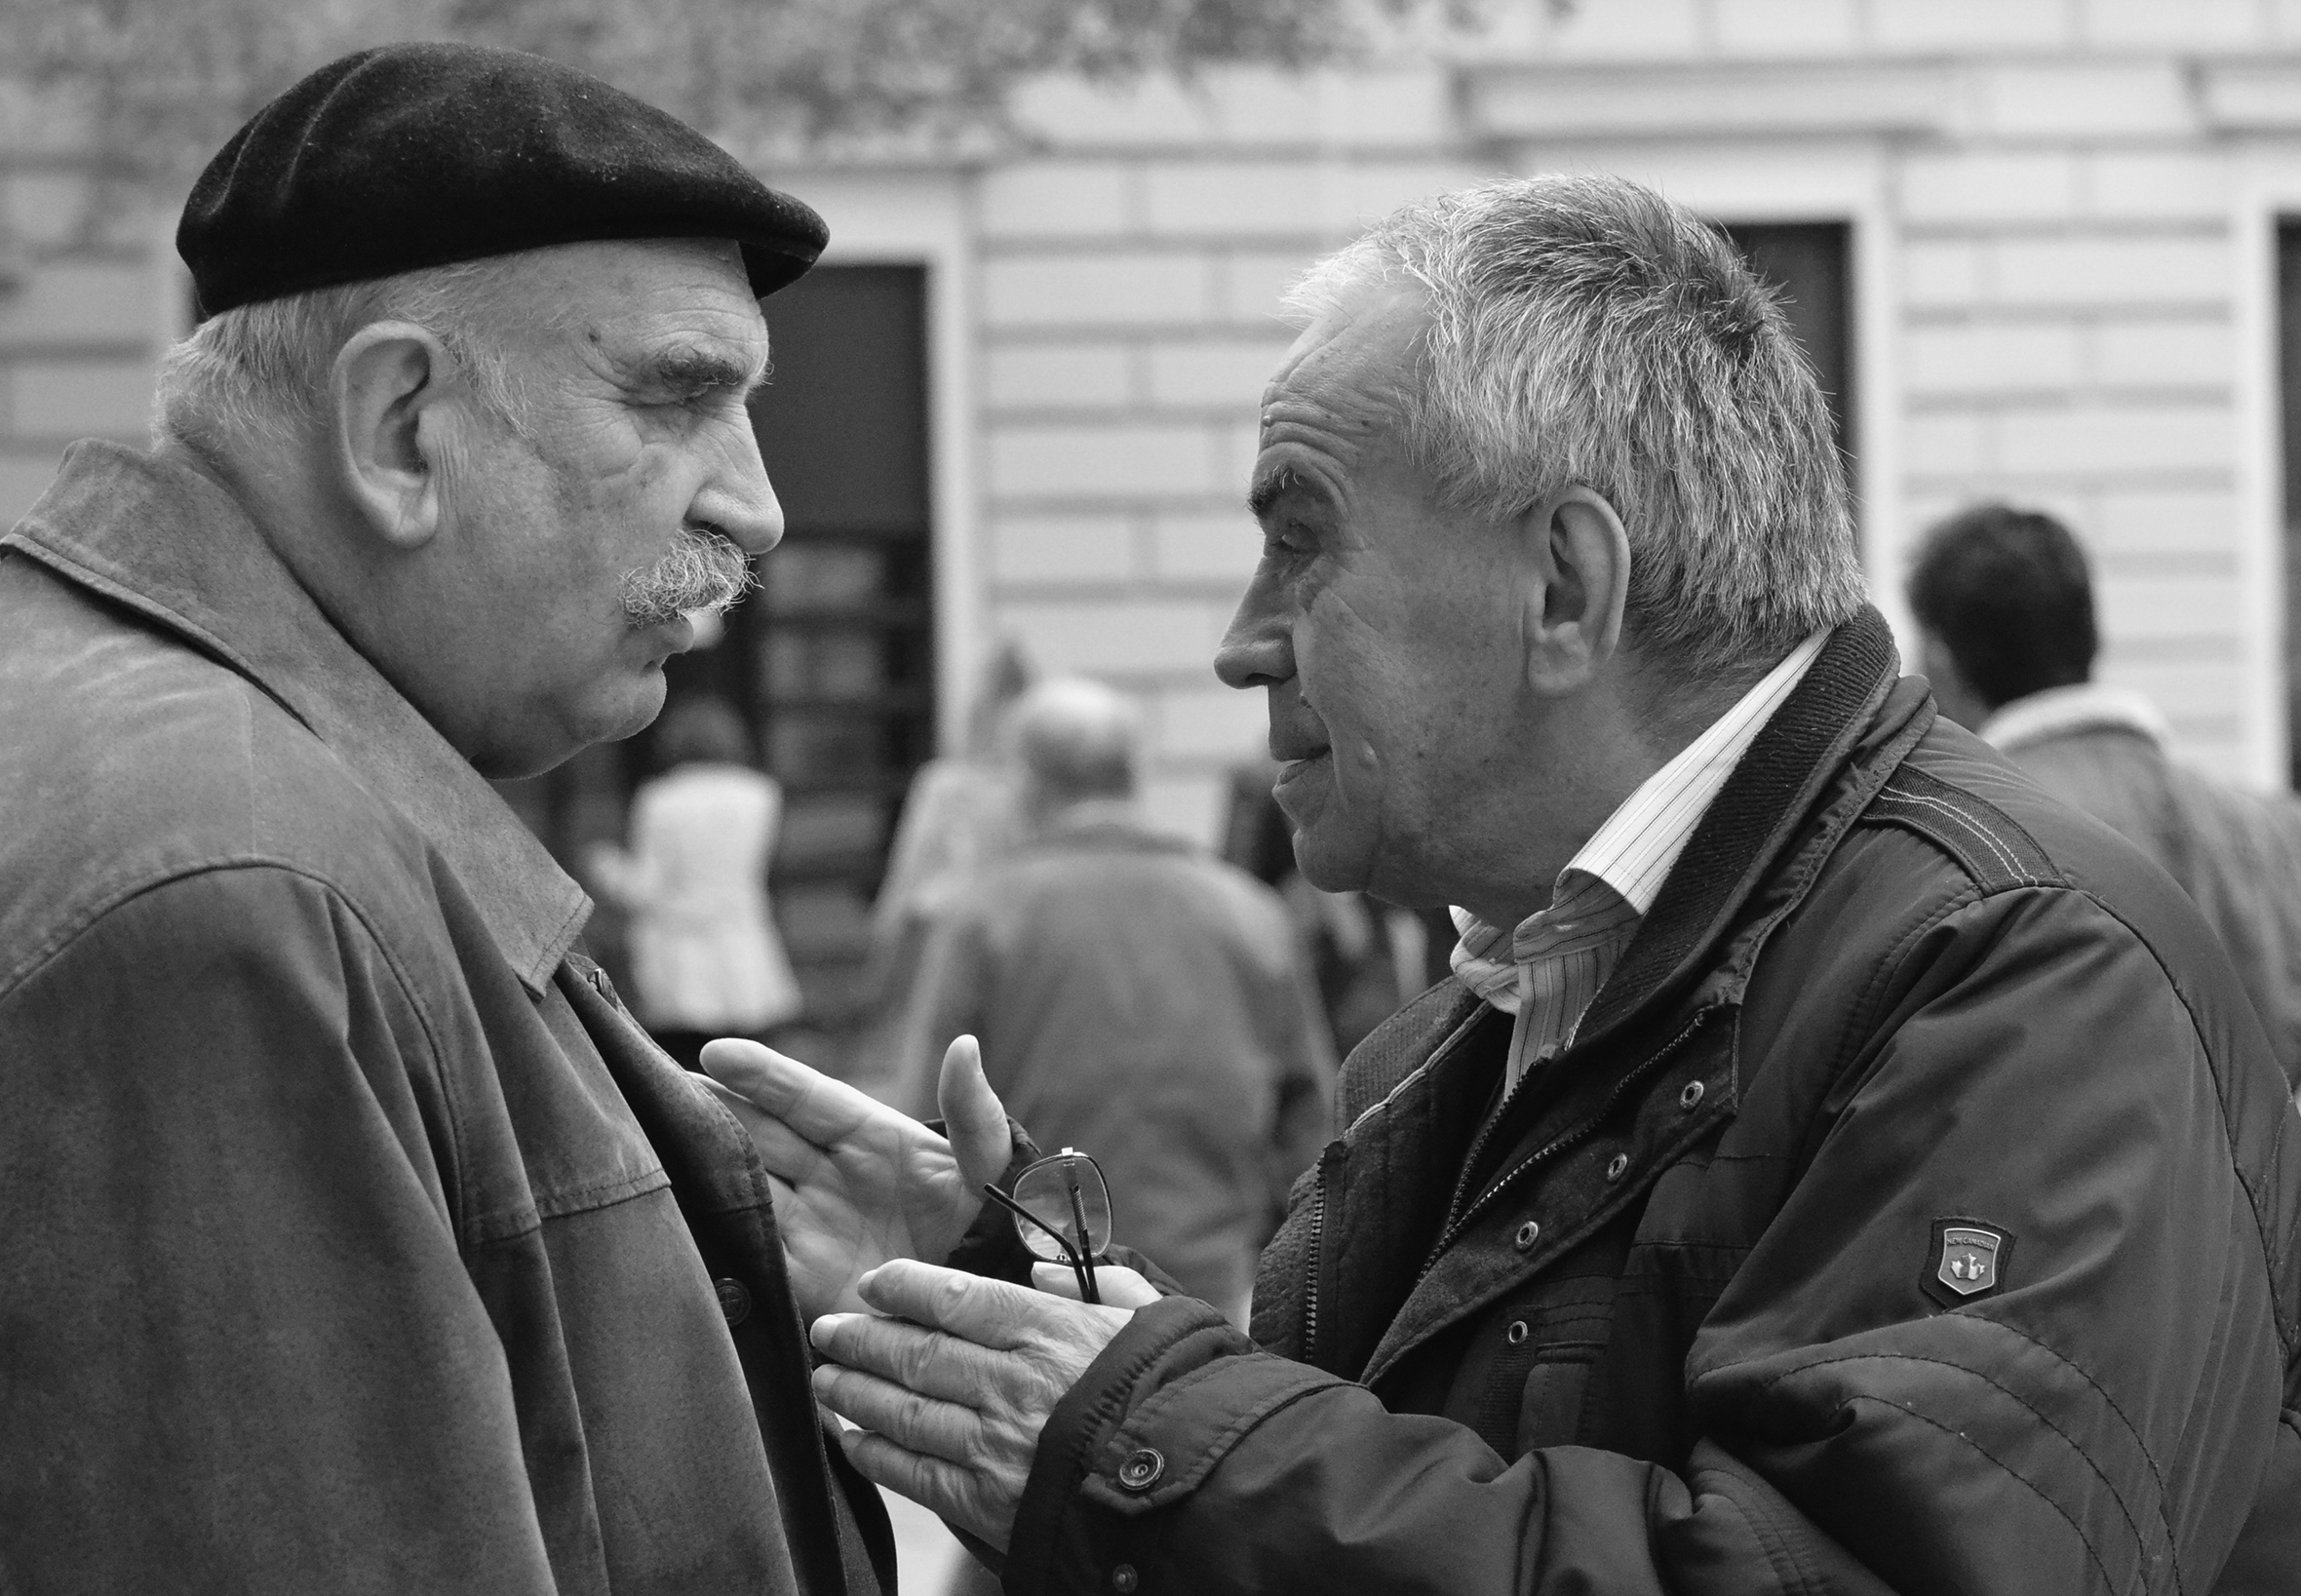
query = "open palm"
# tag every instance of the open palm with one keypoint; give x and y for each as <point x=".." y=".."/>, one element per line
<point x="856" y="1182"/>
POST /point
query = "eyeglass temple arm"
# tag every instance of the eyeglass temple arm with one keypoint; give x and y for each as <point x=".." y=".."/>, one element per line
<point x="1082" y="1268"/>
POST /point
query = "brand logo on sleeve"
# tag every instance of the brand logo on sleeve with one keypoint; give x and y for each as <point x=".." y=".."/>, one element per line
<point x="1968" y="1261"/>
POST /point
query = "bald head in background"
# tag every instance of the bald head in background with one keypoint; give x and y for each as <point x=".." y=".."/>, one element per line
<point x="1075" y="742"/>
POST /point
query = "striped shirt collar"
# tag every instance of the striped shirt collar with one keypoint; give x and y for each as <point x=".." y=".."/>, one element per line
<point x="1632" y="853"/>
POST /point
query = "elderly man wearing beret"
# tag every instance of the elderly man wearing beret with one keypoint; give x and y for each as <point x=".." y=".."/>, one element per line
<point x="352" y="1237"/>
<point x="1838" y="1167"/>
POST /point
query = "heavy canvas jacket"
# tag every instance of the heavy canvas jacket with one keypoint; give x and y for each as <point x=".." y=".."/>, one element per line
<point x="353" y="1239"/>
<point x="1689" y="1313"/>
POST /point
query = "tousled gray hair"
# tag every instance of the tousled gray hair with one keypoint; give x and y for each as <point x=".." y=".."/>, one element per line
<point x="1584" y="329"/>
<point x="259" y="372"/>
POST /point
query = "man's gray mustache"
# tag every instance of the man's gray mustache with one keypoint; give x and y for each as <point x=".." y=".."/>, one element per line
<point x="701" y="571"/>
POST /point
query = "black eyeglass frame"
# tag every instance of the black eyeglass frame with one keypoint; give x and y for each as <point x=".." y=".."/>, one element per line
<point x="1081" y="1261"/>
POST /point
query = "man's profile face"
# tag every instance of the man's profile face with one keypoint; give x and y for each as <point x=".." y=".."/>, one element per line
<point x="1381" y="623"/>
<point x="633" y="392"/>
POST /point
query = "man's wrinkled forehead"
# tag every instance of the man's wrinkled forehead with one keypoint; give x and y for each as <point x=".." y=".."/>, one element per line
<point x="1343" y="388"/>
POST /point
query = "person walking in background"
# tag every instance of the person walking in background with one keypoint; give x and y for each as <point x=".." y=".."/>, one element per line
<point x="1136" y="998"/>
<point x="705" y="953"/>
<point x="2005" y="602"/>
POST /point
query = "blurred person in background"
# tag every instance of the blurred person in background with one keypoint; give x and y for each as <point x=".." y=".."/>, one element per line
<point x="1369" y="958"/>
<point x="705" y="954"/>
<point x="958" y="814"/>
<point x="1135" y="997"/>
<point x="2005" y="601"/>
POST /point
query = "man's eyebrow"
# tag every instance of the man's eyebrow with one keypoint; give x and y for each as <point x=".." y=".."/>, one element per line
<point x="694" y="369"/>
<point x="1267" y="491"/>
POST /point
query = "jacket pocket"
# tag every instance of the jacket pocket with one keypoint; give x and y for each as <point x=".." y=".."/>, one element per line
<point x="1536" y="1359"/>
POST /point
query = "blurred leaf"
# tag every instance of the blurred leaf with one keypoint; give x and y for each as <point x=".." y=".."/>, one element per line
<point x="155" y="86"/>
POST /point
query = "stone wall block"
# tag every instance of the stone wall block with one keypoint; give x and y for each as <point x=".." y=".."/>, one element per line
<point x="2136" y="270"/>
<point x="1252" y="283"/>
<point x="1205" y="546"/>
<point x="2153" y="522"/>
<point x="2090" y="97"/>
<point x="1620" y="30"/>
<point x="1234" y="199"/>
<point x="67" y="301"/>
<point x="1773" y="28"/>
<point x="2220" y="25"/>
<point x="1141" y="636"/>
<point x="2174" y="185"/>
<point x="2156" y="608"/>
<point x="1226" y="372"/>
<point x="1991" y="358"/>
<point x="1969" y="26"/>
<point x="1058" y="375"/>
<point x="2164" y="354"/>
<point x="2111" y="442"/>
<point x="1945" y="443"/>
<point x="2024" y="186"/>
<point x="1947" y="273"/>
<point x="1134" y="288"/>
<point x="1059" y="199"/>
<point x="1027" y="550"/>
<point x="67" y="399"/>
<point x="1101" y="462"/>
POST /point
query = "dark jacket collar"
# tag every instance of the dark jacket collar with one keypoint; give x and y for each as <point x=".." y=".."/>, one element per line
<point x="1840" y="706"/>
<point x="169" y="543"/>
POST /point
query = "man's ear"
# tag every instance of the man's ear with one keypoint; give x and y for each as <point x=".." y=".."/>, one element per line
<point x="386" y="384"/>
<point x="1580" y="560"/>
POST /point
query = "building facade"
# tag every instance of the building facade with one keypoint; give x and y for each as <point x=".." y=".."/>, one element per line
<point x="2065" y="272"/>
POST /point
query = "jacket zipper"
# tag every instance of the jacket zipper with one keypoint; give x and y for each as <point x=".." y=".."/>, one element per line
<point x="1563" y="1144"/>
<point x="1317" y="1245"/>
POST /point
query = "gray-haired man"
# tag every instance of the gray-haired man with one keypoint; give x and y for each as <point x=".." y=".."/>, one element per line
<point x="1837" y="1168"/>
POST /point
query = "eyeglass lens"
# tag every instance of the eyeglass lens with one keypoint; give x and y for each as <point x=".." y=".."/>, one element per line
<point x="1065" y="1193"/>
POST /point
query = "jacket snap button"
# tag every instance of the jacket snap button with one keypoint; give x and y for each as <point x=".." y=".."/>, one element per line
<point x="1528" y="1234"/>
<point x="1619" y="1162"/>
<point x="1692" y="1095"/>
<point x="1141" y="1469"/>
<point x="734" y="1299"/>
<point x="1516" y="1333"/>
<point x="1122" y="1578"/>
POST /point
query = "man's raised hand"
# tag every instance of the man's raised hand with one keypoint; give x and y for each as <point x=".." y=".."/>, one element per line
<point x="857" y="1183"/>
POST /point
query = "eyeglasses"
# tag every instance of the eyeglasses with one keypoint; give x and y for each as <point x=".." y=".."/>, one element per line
<point x="1063" y="1213"/>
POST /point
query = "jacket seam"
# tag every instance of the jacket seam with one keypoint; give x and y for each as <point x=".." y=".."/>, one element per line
<point x="68" y="938"/>
<point x="2011" y="1473"/>
<point x="2114" y="1495"/>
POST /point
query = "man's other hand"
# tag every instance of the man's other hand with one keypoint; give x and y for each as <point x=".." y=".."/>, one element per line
<point x="953" y="1386"/>
<point x="856" y="1184"/>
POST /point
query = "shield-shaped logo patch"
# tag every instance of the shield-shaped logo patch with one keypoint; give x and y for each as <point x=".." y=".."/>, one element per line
<point x="1968" y="1261"/>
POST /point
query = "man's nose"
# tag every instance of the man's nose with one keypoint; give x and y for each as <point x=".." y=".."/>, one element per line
<point x="738" y="500"/>
<point x="1258" y="650"/>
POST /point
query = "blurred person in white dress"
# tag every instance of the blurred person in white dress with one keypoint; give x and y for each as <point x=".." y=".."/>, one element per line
<point x="705" y="953"/>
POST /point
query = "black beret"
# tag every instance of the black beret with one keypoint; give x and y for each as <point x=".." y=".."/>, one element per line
<point x="421" y="154"/>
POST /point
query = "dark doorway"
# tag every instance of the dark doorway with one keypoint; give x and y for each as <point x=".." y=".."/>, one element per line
<point x="832" y="661"/>
<point x="1810" y="265"/>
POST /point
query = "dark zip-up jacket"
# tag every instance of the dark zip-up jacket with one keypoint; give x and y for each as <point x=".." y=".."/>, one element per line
<point x="1701" y="1308"/>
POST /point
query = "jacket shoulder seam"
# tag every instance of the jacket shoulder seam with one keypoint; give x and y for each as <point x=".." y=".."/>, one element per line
<point x="70" y="935"/>
<point x="1991" y="848"/>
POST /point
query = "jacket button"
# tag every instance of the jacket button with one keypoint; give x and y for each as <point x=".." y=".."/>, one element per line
<point x="1141" y="1469"/>
<point x="1615" y="1166"/>
<point x="1517" y="1334"/>
<point x="1692" y="1095"/>
<point x="1528" y="1234"/>
<point x="1122" y="1578"/>
<point x="734" y="1299"/>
